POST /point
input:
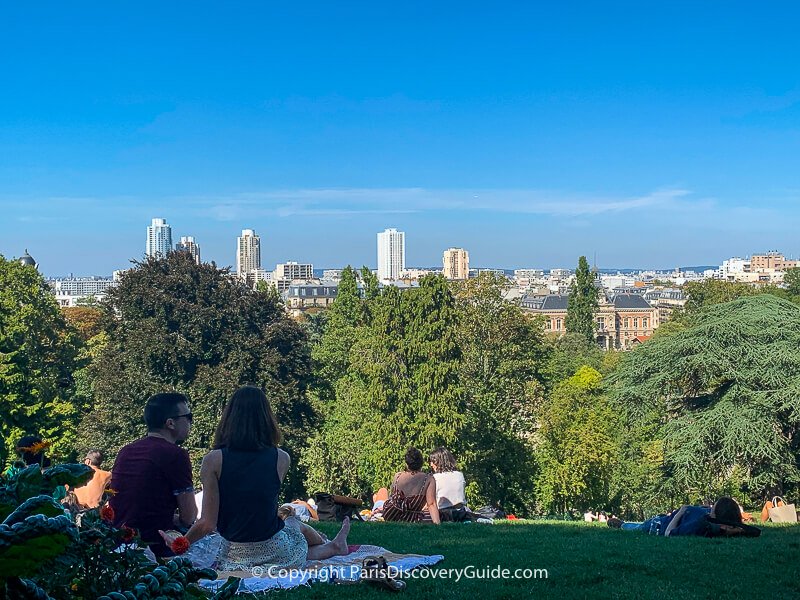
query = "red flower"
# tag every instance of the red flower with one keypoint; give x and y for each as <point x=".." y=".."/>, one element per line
<point x="107" y="513"/>
<point x="179" y="545"/>
<point x="128" y="533"/>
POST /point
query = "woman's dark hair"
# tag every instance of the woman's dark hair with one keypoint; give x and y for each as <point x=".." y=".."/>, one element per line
<point x="413" y="459"/>
<point x="727" y="510"/>
<point x="443" y="460"/>
<point x="161" y="407"/>
<point x="247" y="422"/>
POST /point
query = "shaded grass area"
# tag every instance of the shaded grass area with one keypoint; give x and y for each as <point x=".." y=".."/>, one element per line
<point x="583" y="561"/>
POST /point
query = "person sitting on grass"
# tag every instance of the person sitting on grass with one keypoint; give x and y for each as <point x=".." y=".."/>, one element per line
<point x="722" y="519"/>
<point x="450" y="484"/>
<point x="90" y="494"/>
<point x="152" y="477"/>
<point x="412" y="498"/>
<point x="241" y="479"/>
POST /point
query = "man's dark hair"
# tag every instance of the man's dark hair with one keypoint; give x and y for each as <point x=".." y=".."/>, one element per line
<point x="95" y="458"/>
<point x="413" y="459"/>
<point x="161" y="407"/>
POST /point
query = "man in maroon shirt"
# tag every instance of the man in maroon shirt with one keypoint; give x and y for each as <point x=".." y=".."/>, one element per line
<point x="152" y="477"/>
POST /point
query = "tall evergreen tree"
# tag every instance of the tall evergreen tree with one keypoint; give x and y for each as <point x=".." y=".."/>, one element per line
<point x="582" y="303"/>
<point x="402" y="388"/>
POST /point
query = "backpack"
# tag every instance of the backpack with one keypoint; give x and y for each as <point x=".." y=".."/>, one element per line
<point x="335" y="508"/>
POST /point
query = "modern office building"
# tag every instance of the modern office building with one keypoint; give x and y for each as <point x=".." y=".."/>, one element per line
<point x="456" y="263"/>
<point x="391" y="254"/>
<point x="248" y="253"/>
<point x="188" y="244"/>
<point x="159" y="239"/>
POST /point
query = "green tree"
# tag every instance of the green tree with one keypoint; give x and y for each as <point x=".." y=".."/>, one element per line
<point x="716" y="403"/>
<point x="792" y="281"/>
<point x="399" y="387"/>
<point x="567" y="354"/>
<point x="582" y="303"/>
<point x="503" y="352"/>
<point x="176" y="325"/>
<point x="577" y="448"/>
<point x="700" y="294"/>
<point x="38" y="353"/>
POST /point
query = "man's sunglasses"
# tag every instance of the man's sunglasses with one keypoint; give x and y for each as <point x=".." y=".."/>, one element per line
<point x="187" y="415"/>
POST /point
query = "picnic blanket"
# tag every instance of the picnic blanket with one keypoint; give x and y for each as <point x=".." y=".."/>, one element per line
<point x="343" y="568"/>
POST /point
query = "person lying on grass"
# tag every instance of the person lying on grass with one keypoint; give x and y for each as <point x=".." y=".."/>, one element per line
<point x="241" y="478"/>
<point x="722" y="519"/>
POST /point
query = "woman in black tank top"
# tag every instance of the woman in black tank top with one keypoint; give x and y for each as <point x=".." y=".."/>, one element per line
<point x="241" y="480"/>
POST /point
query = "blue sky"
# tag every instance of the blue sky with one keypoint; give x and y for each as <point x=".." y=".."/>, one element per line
<point x="651" y="134"/>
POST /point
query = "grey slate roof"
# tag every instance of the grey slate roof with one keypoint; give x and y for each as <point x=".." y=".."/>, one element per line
<point x="629" y="301"/>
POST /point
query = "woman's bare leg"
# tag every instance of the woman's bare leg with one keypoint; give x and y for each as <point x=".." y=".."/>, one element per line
<point x="336" y="547"/>
<point x="312" y="536"/>
<point x="381" y="494"/>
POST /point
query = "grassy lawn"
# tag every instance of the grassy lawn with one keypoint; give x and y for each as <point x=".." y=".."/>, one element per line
<point x="583" y="561"/>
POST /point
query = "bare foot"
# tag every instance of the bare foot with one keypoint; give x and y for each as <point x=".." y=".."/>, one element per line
<point x="340" y="541"/>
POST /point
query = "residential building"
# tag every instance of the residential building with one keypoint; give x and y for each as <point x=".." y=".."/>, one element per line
<point x="159" y="239"/>
<point x="391" y="254"/>
<point x="456" y="263"/>
<point x="623" y="320"/>
<point x="292" y="270"/>
<point x="300" y="297"/>
<point x="666" y="301"/>
<point x="771" y="261"/>
<point x="248" y="253"/>
<point x="188" y="244"/>
<point x="69" y="291"/>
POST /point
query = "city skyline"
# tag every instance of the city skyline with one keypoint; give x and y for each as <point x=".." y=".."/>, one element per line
<point x="529" y="134"/>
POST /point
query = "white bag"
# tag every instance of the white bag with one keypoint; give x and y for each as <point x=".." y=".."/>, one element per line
<point x="782" y="514"/>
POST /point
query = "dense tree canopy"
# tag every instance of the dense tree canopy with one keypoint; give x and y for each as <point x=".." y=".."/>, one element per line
<point x="577" y="447"/>
<point x="38" y="354"/>
<point x="716" y="404"/>
<point x="503" y="352"/>
<point x="582" y="303"/>
<point x="397" y="385"/>
<point x="172" y="324"/>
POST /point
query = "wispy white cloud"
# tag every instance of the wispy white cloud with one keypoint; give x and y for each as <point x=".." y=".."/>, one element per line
<point x="356" y="201"/>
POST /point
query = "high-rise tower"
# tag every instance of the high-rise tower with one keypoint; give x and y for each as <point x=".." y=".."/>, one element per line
<point x="456" y="263"/>
<point x="391" y="254"/>
<point x="188" y="244"/>
<point x="159" y="238"/>
<point x="248" y="253"/>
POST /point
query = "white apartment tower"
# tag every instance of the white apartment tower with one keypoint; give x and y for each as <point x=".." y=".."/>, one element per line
<point x="456" y="263"/>
<point x="248" y="253"/>
<point x="159" y="238"/>
<point x="188" y="244"/>
<point x="391" y="254"/>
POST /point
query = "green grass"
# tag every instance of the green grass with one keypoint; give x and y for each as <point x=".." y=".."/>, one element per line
<point x="583" y="561"/>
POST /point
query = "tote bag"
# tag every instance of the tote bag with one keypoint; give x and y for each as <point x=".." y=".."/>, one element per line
<point x="783" y="513"/>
